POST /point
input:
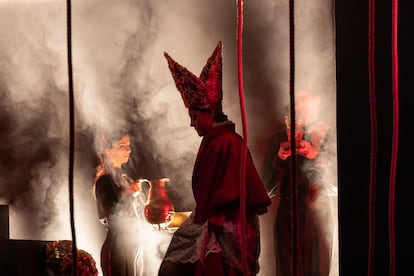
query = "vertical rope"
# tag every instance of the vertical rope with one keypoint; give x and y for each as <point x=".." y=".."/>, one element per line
<point x="71" y="136"/>
<point x="245" y="137"/>
<point x="293" y="184"/>
<point x="395" y="136"/>
<point x="374" y="137"/>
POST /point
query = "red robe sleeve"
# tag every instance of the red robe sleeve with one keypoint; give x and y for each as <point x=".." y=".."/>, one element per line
<point x="216" y="178"/>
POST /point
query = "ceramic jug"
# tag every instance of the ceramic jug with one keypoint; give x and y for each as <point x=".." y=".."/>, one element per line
<point x="158" y="210"/>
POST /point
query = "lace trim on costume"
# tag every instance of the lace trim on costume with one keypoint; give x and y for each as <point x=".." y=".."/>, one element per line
<point x="186" y="242"/>
<point x="216" y="124"/>
<point x="193" y="242"/>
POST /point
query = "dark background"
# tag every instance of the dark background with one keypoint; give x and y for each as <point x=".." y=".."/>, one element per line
<point x="367" y="204"/>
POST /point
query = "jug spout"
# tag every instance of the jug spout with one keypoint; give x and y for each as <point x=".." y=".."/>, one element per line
<point x="159" y="210"/>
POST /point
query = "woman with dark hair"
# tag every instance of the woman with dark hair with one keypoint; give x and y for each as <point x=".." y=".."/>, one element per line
<point x="118" y="208"/>
<point x="209" y="241"/>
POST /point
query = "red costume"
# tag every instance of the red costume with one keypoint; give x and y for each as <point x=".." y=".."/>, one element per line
<point x="216" y="176"/>
<point x="211" y="238"/>
<point x="216" y="187"/>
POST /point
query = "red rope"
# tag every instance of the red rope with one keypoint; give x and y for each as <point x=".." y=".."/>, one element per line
<point x="245" y="136"/>
<point x="374" y="137"/>
<point x="395" y="136"/>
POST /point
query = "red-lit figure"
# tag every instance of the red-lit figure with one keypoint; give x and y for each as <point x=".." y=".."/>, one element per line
<point x="312" y="251"/>
<point x="209" y="241"/>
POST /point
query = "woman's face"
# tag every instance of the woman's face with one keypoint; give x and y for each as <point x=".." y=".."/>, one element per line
<point x="119" y="152"/>
<point x="201" y="120"/>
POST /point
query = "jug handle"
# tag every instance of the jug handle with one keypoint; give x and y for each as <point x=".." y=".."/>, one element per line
<point x="145" y="191"/>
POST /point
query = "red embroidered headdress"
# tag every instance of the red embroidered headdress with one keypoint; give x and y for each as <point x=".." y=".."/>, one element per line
<point x="204" y="91"/>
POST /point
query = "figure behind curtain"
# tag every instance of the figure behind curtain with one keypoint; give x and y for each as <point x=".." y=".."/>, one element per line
<point x="315" y="186"/>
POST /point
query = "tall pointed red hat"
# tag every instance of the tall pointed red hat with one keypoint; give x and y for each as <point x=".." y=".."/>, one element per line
<point x="204" y="91"/>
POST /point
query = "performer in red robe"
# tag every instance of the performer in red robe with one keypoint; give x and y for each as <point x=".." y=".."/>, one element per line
<point x="209" y="242"/>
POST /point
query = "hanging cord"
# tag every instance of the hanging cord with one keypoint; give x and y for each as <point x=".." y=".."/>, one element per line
<point x="71" y="138"/>
<point x="374" y="137"/>
<point x="244" y="141"/>
<point x="293" y="185"/>
<point x="395" y="136"/>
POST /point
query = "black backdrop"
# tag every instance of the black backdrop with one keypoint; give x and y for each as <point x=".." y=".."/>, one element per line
<point x="355" y="140"/>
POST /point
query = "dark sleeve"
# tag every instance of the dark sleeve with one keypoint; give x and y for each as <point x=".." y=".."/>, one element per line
<point x="106" y="196"/>
<point x="271" y="170"/>
<point x="257" y="196"/>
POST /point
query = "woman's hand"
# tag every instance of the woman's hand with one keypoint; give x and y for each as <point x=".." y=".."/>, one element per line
<point x="135" y="187"/>
<point x="284" y="150"/>
<point x="306" y="149"/>
<point x="303" y="148"/>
